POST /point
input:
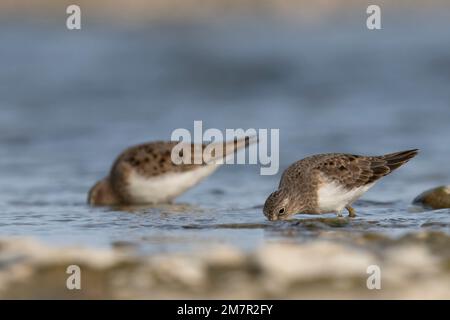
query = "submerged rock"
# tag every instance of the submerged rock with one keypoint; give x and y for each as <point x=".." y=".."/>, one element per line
<point x="437" y="198"/>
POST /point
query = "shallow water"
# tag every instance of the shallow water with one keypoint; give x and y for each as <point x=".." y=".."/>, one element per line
<point x="71" y="101"/>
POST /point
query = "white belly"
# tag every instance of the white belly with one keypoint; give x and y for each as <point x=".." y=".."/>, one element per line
<point x="164" y="188"/>
<point x="333" y="197"/>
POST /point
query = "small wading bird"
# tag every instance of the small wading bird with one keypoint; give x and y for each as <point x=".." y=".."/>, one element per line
<point x="326" y="183"/>
<point x="146" y="174"/>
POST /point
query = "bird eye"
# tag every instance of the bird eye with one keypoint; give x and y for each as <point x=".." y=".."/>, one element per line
<point x="281" y="211"/>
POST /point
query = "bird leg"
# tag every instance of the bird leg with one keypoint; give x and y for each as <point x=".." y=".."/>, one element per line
<point x="351" y="211"/>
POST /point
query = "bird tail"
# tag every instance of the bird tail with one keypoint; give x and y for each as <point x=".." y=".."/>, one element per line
<point x="397" y="159"/>
<point x="220" y="151"/>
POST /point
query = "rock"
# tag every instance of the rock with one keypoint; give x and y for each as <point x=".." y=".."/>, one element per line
<point x="300" y="263"/>
<point x="437" y="198"/>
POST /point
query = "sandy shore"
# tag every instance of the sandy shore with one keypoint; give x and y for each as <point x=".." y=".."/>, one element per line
<point x="414" y="266"/>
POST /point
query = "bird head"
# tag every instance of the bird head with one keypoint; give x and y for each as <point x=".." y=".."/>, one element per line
<point x="278" y="206"/>
<point x="102" y="194"/>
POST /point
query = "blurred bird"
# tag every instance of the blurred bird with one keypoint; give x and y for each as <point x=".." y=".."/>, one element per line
<point x="147" y="174"/>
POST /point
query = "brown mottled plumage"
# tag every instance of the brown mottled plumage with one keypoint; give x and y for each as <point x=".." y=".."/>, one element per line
<point x="146" y="174"/>
<point x="329" y="182"/>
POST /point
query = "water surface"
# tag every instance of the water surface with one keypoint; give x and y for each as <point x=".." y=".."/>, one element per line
<point x="71" y="101"/>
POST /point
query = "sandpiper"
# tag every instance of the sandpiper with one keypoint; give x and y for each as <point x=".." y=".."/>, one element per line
<point x="326" y="183"/>
<point x="147" y="174"/>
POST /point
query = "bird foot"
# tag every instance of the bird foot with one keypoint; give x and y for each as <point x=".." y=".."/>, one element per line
<point x="351" y="211"/>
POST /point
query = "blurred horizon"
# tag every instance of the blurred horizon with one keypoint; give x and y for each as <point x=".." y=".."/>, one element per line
<point x="139" y="11"/>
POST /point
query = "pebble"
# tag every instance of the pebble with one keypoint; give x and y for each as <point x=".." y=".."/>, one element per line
<point x="437" y="198"/>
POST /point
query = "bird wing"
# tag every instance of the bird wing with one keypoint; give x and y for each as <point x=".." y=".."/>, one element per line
<point x="155" y="158"/>
<point x="152" y="159"/>
<point x="353" y="171"/>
